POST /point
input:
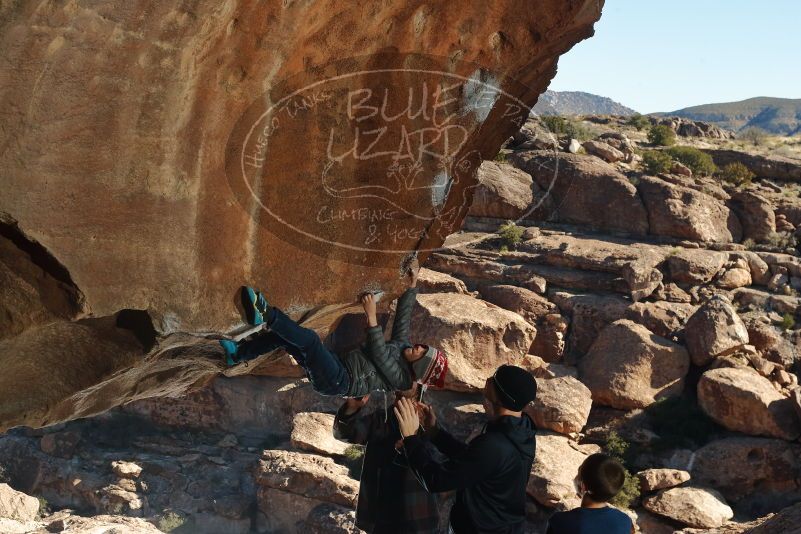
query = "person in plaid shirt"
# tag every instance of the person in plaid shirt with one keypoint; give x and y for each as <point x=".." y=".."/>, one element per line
<point x="393" y="498"/>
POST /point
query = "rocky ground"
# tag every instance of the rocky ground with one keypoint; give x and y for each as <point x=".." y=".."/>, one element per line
<point x="660" y="314"/>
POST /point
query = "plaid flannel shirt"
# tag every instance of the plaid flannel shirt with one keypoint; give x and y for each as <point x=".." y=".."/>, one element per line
<point x="392" y="498"/>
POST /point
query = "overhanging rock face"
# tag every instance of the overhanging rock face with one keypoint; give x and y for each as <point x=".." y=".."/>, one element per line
<point x="166" y="155"/>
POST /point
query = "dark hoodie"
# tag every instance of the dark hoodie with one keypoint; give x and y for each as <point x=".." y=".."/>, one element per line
<point x="490" y="474"/>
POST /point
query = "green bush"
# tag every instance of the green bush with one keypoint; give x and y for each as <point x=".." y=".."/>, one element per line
<point x="736" y="174"/>
<point x="354" y="456"/>
<point x="500" y="157"/>
<point x="568" y="127"/>
<point x="788" y="321"/>
<point x="699" y="162"/>
<point x="781" y="240"/>
<point x="511" y="234"/>
<point x="680" y="422"/>
<point x="656" y="161"/>
<point x="756" y="136"/>
<point x="555" y="124"/>
<point x="620" y="449"/>
<point x="661" y="135"/>
<point x="44" y="508"/>
<point x="170" y="521"/>
<point x="638" y="121"/>
<point x="616" y="446"/>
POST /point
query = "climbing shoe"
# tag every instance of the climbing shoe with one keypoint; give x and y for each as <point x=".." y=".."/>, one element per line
<point x="230" y="348"/>
<point x="257" y="310"/>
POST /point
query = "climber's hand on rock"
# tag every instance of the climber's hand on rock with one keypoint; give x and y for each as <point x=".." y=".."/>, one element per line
<point x="369" y="305"/>
<point x="412" y="272"/>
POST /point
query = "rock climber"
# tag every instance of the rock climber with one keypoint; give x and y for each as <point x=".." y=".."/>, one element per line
<point x="377" y="365"/>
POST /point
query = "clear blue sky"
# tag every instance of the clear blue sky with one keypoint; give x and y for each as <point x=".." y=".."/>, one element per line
<point x="666" y="55"/>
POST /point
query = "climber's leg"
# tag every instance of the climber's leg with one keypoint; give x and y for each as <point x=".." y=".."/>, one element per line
<point x="326" y="371"/>
<point x="263" y="343"/>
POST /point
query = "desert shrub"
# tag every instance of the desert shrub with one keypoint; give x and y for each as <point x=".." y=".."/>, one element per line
<point x="170" y="521"/>
<point x="656" y="161"/>
<point x="781" y="240"/>
<point x="500" y="157"/>
<point x="755" y="136"/>
<point x="578" y="130"/>
<point x="699" y="162"/>
<point x="620" y="449"/>
<point x="616" y="446"/>
<point x="788" y="321"/>
<point x="555" y="124"/>
<point x="572" y="128"/>
<point x="661" y="135"/>
<point x="353" y="457"/>
<point x="638" y="121"/>
<point x="680" y="422"/>
<point x="511" y="235"/>
<point x="44" y="508"/>
<point x="736" y="173"/>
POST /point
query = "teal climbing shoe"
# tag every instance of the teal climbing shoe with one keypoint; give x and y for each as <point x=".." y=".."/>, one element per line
<point x="256" y="307"/>
<point x="230" y="349"/>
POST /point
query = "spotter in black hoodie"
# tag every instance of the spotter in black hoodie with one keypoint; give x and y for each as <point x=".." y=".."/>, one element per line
<point x="489" y="474"/>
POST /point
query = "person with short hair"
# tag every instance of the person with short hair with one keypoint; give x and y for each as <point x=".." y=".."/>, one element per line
<point x="599" y="479"/>
<point x="490" y="473"/>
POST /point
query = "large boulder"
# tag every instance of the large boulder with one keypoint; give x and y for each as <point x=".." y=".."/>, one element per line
<point x="785" y="521"/>
<point x="756" y="214"/>
<point x="714" y="330"/>
<point x="630" y="367"/>
<point x="758" y="475"/>
<point x="16" y="505"/>
<point x="662" y="318"/>
<point x="562" y="405"/>
<point x="604" y="151"/>
<point x="549" y="342"/>
<point x="684" y="213"/>
<point x="695" y="266"/>
<point x="694" y="507"/>
<point x="585" y="191"/>
<point x="742" y="400"/>
<point x="556" y="464"/>
<point x="477" y="336"/>
<point x="313" y="432"/>
<point x="429" y="281"/>
<point x="657" y="479"/>
<point x="307" y="475"/>
<point x="503" y="192"/>
<point x="589" y="315"/>
<point x="238" y="152"/>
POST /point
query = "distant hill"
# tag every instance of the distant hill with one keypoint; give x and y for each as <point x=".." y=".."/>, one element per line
<point x="775" y="115"/>
<point x="578" y="103"/>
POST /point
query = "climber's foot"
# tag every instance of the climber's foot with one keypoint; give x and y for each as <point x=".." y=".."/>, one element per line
<point x="257" y="309"/>
<point x="230" y="348"/>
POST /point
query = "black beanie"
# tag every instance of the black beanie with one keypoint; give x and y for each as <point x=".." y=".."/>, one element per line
<point x="514" y="387"/>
